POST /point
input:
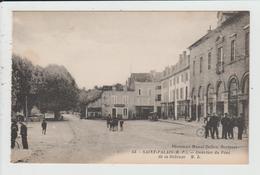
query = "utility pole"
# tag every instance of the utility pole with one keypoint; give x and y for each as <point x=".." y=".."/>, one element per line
<point x="26" y="109"/>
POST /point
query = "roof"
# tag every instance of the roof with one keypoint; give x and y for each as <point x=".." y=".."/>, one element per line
<point x="142" y="77"/>
<point x="207" y="35"/>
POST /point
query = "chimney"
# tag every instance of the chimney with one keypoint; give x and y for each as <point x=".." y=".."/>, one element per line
<point x="180" y="60"/>
<point x="209" y="30"/>
<point x="184" y="55"/>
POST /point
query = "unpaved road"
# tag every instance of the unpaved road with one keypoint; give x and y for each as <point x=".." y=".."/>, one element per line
<point x="90" y="141"/>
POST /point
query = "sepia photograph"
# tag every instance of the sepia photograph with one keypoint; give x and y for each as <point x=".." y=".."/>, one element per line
<point x="130" y="87"/>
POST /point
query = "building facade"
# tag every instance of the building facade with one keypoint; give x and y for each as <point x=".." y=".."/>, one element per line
<point x="175" y="89"/>
<point x="118" y="103"/>
<point x="219" y="71"/>
<point x="147" y="93"/>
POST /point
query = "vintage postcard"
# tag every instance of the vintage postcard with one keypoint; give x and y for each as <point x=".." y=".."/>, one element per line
<point x="130" y="87"/>
<point x="168" y="87"/>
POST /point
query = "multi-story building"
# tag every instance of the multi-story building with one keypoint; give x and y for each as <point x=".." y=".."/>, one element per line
<point x="179" y="87"/>
<point x="219" y="73"/>
<point x="136" y="100"/>
<point x="165" y="92"/>
<point x="175" y="89"/>
<point x="117" y="102"/>
<point x="146" y="88"/>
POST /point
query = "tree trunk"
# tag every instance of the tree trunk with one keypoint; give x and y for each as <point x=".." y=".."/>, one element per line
<point x="56" y="115"/>
<point x="83" y="111"/>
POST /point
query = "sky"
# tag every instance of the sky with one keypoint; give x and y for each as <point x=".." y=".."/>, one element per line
<point x="104" y="48"/>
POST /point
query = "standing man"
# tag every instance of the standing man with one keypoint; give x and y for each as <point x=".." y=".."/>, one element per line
<point x="208" y="125"/>
<point x="231" y="127"/>
<point x="215" y="125"/>
<point x="240" y="126"/>
<point x="121" y="125"/>
<point x="225" y="123"/>
<point x="23" y="133"/>
<point x="14" y="129"/>
<point x="108" y="120"/>
<point x="44" y="126"/>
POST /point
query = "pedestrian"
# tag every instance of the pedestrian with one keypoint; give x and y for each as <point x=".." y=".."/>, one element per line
<point x="108" y="120"/>
<point x="121" y="125"/>
<point x="215" y="124"/>
<point x="241" y="125"/>
<point x="23" y="133"/>
<point x="225" y="123"/>
<point x="208" y="127"/>
<point x="14" y="129"/>
<point x="231" y="127"/>
<point x="44" y="126"/>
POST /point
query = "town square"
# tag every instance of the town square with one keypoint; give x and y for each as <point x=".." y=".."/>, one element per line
<point x="148" y="87"/>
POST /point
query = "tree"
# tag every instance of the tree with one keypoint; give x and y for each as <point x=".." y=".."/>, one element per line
<point x="50" y="89"/>
<point x="86" y="97"/>
<point x="59" y="91"/>
<point x="22" y="81"/>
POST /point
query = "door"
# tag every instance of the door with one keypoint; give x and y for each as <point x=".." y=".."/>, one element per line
<point x="125" y="112"/>
<point x="114" y="112"/>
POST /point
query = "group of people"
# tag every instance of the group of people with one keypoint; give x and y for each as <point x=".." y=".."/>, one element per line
<point x="112" y="123"/>
<point x="228" y="123"/>
<point x="23" y="132"/>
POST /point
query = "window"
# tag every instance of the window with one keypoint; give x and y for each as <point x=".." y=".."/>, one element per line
<point x="119" y="100"/>
<point x="158" y="87"/>
<point x="139" y="92"/>
<point x="186" y="93"/>
<point x="187" y="76"/>
<point x="170" y="82"/>
<point x="232" y="50"/>
<point x="173" y="95"/>
<point x="201" y="64"/>
<point x="209" y="60"/>
<point x="114" y="99"/>
<point x="125" y="111"/>
<point x="181" y="93"/>
<point x="158" y="97"/>
<point x="177" y="94"/>
<point x="125" y="99"/>
<point x="193" y="67"/>
<point x="247" y="44"/>
<point x="220" y="55"/>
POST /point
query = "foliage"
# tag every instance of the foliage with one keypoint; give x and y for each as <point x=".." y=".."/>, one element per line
<point x="50" y="89"/>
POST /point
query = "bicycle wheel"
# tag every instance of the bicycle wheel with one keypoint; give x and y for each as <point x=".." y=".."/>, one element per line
<point x="200" y="132"/>
<point x="17" y="145"/>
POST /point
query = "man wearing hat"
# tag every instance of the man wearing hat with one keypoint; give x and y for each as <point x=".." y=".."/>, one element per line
<point x="23" y="133"/>
<point x="225" y="124"/>
<point x="215" y="124"/>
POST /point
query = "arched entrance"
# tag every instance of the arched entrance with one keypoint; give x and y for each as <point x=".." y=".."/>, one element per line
<point x="210" y="98"/>
<point x="220" y="98"/>
<point x="233" y="97"/>
<point x="245" y="100"/>
<point x="200" y="103"/>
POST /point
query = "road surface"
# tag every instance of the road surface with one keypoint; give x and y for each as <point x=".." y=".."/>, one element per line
<point x="90" y="141"/>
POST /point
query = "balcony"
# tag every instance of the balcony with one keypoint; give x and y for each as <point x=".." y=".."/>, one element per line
<point x="220" y="67"/>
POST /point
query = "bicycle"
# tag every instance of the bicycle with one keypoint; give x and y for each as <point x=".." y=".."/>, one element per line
<point x="201" y="131"/>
